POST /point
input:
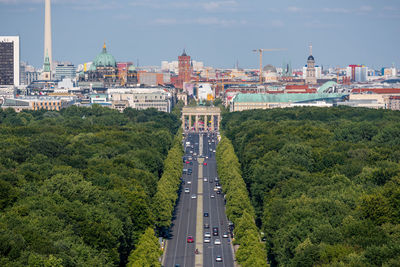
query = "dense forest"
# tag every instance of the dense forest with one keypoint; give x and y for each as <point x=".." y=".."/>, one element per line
<point x="77" y="186"/>
<point x="324" y="183"/>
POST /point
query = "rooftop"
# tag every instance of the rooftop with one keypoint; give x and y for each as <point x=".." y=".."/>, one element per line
<point x="286" y="98"/>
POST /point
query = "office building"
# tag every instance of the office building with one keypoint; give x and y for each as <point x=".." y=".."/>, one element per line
<point x="361" y="73"/>
<point x="9" y="61"/>
<point x="141" y="98"/>
<point x="37" y="103"/>
<point x="65" y="70"/>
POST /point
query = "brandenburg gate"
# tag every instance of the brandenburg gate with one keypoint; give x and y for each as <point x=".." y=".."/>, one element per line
<point x="201" y="115"/>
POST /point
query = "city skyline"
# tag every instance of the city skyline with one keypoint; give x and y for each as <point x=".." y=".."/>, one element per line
<point x="219" y="33"/>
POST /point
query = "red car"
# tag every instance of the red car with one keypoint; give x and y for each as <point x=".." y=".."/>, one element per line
<point x="187" y="162"/>
<point x="205" y="163"/>
<point x="190" y="239"/>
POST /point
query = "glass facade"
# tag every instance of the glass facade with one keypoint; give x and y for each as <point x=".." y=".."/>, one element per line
<point x="6" y="63"/>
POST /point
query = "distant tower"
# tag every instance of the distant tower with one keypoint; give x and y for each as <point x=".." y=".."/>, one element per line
<point x="311" y="73"/>
<point x="48" y="52"/>
<point x="46" y="74"/>
<point x="185" y="69"/>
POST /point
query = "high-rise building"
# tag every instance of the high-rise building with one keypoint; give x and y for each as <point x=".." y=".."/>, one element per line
<point x="361" y="73"/>
<point x="48" y="52"/>
<point x="185" y="69"/>
<point x="65" y="70"/>
<point x="9" y="60"/>
<point x="311" y="75"/>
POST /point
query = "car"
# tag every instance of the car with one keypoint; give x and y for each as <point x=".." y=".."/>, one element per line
<point x="219" y="187"/>
<point x="215" y="231"/>
<point x="211" y="180"/>
<point x="177" y="265"/>
<point x="219" y="192"/>
<point x="218" y="259"/>
<point x="187" y="190"/>
<point x="207" y="234"/>
<point x="212" y="196"/>
<point x="207" y="240"/>
<point x="205" y="163"/>
<point x="217" y="242"/>
<point x="205" y="179"/>
<point x="206" y="226"/>
<point x="194" y="196"/>
<point x="187" y="162"/>
<point x="206" y="157"/>
<point x="225" y="235"/>
<point x="214" y="150"/>
<point x="190" y="239"/>
<point x="215" y="189"/>
<point x="194" y="154"/>
<point x="205" y="214"/>
<point x="189" y="182"/>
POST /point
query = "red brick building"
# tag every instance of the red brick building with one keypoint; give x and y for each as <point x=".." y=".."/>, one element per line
<point x="185" y="70"/>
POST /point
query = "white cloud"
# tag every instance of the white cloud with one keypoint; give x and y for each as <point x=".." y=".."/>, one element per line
<point x="294" y="9"/>
<point x="165" y="21"/>
<point x="366" y="9"/>
<point x="203" y="21"/>
<point x="336" y="10"/>
<point x="277" y="23"/>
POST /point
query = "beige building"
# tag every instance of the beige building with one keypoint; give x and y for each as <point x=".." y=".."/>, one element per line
<point x="141" y="98"/>
<point x="394" y="103"/>
<point x="37" y="103"/>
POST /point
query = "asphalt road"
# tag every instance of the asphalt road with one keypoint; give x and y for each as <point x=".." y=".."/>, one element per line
<point x="178" y="251"/>
<point x="216" y="209"/>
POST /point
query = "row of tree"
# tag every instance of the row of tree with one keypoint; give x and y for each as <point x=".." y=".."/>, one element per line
<point x="238" y="207"/>
<point x="77" y="187"/>
<point x="148" y="251"/>
<point x="324" y="183"/>
<point x="168" y="186"/>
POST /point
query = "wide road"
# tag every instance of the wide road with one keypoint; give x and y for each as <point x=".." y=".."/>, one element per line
<point x="178" y="251"/>
<point x="216" y="209"/>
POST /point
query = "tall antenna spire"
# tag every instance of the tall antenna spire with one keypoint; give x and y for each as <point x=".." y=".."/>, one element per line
<point x="47" y="32"/>
<point x="310" y="49"/>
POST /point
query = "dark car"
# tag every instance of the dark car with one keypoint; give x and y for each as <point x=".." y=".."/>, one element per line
<point x="206" y="226"/>
<point x="205" y="214"/>
<point x="215" y="231"/>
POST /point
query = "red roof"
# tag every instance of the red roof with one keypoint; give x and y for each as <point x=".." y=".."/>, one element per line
<point x="297" y="86"/>
<point x="377" y="90"/>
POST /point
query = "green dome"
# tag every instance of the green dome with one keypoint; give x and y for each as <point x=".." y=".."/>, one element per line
<point x="104" y="59"/>
<point x="132" y="68"/>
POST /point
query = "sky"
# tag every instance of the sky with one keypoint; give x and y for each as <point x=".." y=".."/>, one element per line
<point x="217" y="32"/>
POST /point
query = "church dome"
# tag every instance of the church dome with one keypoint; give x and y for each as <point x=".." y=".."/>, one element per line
<point x="132" y="68"/>
<point x="104" y="59"/>
<point x="311" y="58"/>
<point x="269" y="68"/>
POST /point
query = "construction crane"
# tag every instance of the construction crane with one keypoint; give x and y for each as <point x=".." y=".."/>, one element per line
<point x="261" y="51"/>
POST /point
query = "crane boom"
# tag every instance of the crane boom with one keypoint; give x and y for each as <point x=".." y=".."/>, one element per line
<point x="261" y="51"/>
